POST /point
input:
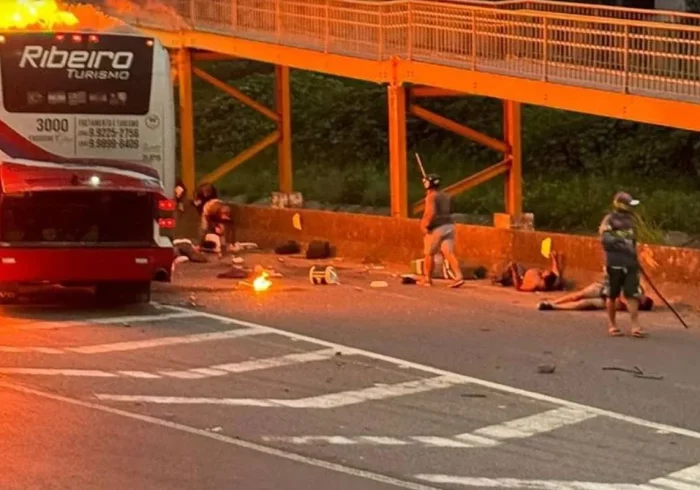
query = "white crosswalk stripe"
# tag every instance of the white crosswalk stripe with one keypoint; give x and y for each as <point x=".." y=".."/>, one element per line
<point x="253" y="365"/>
<point x="490" y="436"/>
<point x="329" y="401"/>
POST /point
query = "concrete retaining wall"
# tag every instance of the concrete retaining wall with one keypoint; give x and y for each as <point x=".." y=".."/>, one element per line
<point x="400" y="240"/>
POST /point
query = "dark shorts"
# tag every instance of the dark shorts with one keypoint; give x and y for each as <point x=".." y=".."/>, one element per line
<point x="622" y="280"/>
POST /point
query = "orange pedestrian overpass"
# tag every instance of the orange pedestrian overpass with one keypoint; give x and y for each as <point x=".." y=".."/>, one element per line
<point x="639" y="65"/>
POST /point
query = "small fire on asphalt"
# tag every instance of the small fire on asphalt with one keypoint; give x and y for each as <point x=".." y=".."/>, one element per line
<point x="262" y="283"/>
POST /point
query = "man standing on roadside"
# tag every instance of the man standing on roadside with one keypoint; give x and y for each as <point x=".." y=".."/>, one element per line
<point x="622" y="270"/>
<point x="439" y="229"/>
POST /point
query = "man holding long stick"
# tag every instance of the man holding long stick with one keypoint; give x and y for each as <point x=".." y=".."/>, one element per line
<point x="622" y="269"/>
<point x="439" y="229"/>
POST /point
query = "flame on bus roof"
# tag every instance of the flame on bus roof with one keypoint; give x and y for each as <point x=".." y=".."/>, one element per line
<point x="49" y="15"/>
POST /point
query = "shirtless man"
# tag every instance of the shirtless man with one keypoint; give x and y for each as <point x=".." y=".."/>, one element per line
<point x="439" y="230"/>
<point x="591" y="298"/>
<point x="534" y="279"/>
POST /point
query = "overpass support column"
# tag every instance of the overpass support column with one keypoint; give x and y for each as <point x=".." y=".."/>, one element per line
<point x="184" y="75"/>
<point x="512" y="135"/>
<point x="283" y="106"/>
<point x="398" y="177"/>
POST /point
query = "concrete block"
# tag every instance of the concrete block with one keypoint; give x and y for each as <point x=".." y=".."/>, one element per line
<point x="282" y="200"/>
<point x="507" y="222"/>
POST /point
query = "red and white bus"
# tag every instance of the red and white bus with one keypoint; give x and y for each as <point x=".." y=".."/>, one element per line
<point x="87" y="160"/>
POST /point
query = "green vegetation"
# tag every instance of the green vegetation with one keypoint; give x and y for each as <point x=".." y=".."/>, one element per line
<point x="573" y="163"/>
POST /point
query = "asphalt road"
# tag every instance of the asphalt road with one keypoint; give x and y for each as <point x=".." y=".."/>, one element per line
<point x="340" y="387"/>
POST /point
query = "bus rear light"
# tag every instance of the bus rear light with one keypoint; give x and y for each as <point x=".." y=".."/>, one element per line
<point x="92" y="38"/>
<point x="166" y="205"/>
<point x="77" y="38"/>
<point x="166" y="223"/>
<point x="60" y="37"/>
<point x="2" y="39"/>
<point x="149" y="42"/>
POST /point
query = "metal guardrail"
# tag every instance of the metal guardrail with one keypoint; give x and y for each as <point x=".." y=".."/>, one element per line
<point x="622" y="50"/>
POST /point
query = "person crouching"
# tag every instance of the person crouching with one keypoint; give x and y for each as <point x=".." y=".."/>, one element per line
<point x="216" y="221"/>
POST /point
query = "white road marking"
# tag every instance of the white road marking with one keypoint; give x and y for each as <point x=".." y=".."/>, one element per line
<point x="461" y="378"/>
<point x="252" y="365"/>
<point x="23" y="350"/>
<point x="332" y="400"/>
<point x="512" y="483"/>
<point x="297" y="458"/>
<point x="685" y="479"/>
<point x="490" y="436"/>
<point x="164" y="341"/>
<point x="196" y="373"/>
<point x="138" y="374"/>
<point x="534" y="424"/>
<point x="50" y="325"/>
<point x="58" y="372"/>
<point x="139" y="344"/>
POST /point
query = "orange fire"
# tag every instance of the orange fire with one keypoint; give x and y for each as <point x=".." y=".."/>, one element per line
<point x="48" y="15"/>
<point x="262" y="283"/>
<point x="28" y="14"/>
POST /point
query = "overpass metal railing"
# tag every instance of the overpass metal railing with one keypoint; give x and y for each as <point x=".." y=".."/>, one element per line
<point x="591" y="10"/>
<point x="657" y="59"/>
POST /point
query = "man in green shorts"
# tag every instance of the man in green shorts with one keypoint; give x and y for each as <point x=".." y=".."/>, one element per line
<point x="622" y="271"/>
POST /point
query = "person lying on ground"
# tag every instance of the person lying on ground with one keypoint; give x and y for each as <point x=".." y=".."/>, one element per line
<point x="536" y="279"/>
<point x="592" y="298"/>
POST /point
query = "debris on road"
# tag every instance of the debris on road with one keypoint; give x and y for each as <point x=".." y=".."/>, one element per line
<point x="546" y="368"/>
<point x="408" y="279"/>
<point x="649" y="376"/>
<point x="378" y="284"/>
<point x="242" y="246"/>
<point x="325" y="276"/>
<point x="288" y="248"/>
<point x="318" y="249"/>
<point x="635" y="371"/>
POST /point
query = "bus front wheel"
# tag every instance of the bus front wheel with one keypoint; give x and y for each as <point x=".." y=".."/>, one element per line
<point x="123" y="292"/>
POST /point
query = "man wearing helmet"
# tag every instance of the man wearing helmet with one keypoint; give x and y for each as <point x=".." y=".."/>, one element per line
<point x="622" y="271"/>
<point x="439" y="229"/>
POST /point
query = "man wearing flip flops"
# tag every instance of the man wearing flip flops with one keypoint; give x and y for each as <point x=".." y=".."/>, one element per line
<point x="439" y="230"/>
<point x="622" y="270"/>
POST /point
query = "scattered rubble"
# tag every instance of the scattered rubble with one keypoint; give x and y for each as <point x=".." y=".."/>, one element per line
<point x="242" y="246"/>
<point x="288" y="248"/>
<point x="636" y="372"/>
<point x="546" y="368"/>
<point x="408" y="279"/>
<point x="323" y="276"/>
<point x="318" y="249"/>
